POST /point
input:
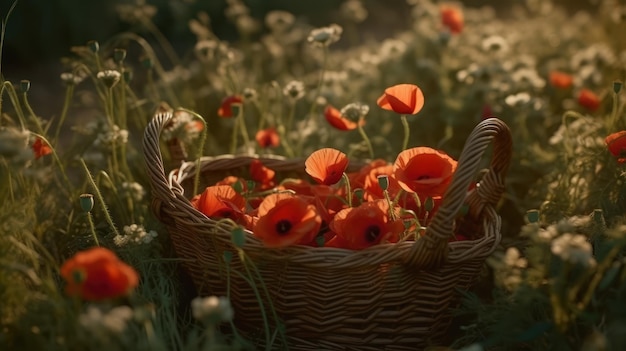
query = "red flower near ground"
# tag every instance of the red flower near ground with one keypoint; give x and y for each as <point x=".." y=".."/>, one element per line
<point x="561" y="80"/>
<point x="616" y="143"/>
<point x="226" y="108"/>
<point x="335" y="119"/>
<point x="41" y="148"/>
<point x="261" y="174"/>
<point x="589" y="100"/>
<point x="267" y="138"/>
<point x="287" y="220"/>
<point x="452" y="18"/>
<point x="326" y="165"/>
<point x="221" y="201"/>
<point x="424" y="171"/>
<point x="369" y="224"/>
<point x="97" y="274"/>
<point x="404" y="99"/>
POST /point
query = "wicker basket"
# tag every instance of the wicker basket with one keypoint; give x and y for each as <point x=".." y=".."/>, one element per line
<point x="387" y="297"/>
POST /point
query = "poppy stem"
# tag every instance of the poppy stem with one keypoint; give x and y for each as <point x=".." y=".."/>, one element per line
<point x="614" y="112"/>
<point x="407" y="130"/>
<point x="242" y="126"/>
<point x="93" y="228"/>
<point x="69" y="93"/>
<point x="233" y="142"/>
<point x="348" y="189"/>
<point x="365" y="138"/>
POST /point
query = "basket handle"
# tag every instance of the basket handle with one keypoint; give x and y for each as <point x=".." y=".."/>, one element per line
<point x="165" y="192"/>
<point x="434" y="251"/>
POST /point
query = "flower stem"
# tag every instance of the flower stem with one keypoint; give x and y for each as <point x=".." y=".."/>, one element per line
<point x="242" y="126"/>
<point x="407" y="130"/>
<point x="69" y="92"/>
<point x="233" y="142"/>
<point x="98" y="194"/>
<point x="348" y="189"/>
<point x="365" y="138"/>
<point x="93" y="228"/>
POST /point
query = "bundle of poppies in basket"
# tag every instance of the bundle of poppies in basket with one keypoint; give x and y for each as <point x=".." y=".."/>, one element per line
<point x="379" y="202"/>
<point x="330" y="251"/>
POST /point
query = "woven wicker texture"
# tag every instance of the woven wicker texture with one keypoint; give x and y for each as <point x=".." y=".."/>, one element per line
<point x="387" y="297"/>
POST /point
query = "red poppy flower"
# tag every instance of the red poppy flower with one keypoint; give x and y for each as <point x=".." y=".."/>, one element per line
<point x="299" y="186"/>
<point x="328" y="200"/>
<point x="234" y="182"/>
<point x="589" y="100"/>
<point x="326" y="165"/>
<point x="424" y="171"/>
<point x="452" y="18"/>
<point x="261" y="174"/>
<point x="366" y="225"/>
<point x="41" y="148"/>
<point x="334" y="117"/>
<point x="221" y="201"/>
<point x="226" y="108"/>
<point x="267" y="138"/>
<point x="561" y="80"/>
<point x="287" y="220"/>
<point x="357" y="179"/>
<point x="616" y="144"/>
<point x="97" y="274"/>
<point x="405" y="99"/>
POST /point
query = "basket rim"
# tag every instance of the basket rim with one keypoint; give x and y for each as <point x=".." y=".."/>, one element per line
<point x="429" y="252"/>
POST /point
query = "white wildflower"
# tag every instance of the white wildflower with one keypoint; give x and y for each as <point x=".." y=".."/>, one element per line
<point x="355" y="111"/>
<point x="518" y="99"/>
<point x="134" y="190"/>
<point x="391" y="49"/>
<point x="513" y="259"/>
<point x="294" y="90"/>
<point x="71" y="78"/>
<point x="111" y="136"/>
<point x="182" y="126"/>
<point x="495" y="43"/>
<point x="279" y="21"/>
<point x="354" y="11"/>
<point x="110" y="77"/>
<point x="212" y="309"/>
<point x="325" y="36"/>
<point x="13" y="141"/>
<point x="135" y="234"/>
<point x="114" y="320"/>
<point x="573" y="248"/>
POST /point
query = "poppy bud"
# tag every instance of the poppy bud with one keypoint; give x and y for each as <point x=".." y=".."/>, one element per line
<point x="617" y="86"/>
<point x="228" y="256"/>
<point x="24" y="86"/>
<point x="147" y="63"/>
<point x="86" y="202"/>
<point x="429" y="204"/>
<point x="119" y="55"/>
<point x="383" y="181"/>
<point x="238" y="186"/>
<point x="598" y="217"/>
<point x="359" y="192"/>
<point x="238" y="236"/>
<point x="532" y="216"/>
<point x="251" y="184"/>
<point x="94" y="46"/>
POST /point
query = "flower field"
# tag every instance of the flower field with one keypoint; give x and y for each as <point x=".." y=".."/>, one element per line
<point x="457" y="184"/>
